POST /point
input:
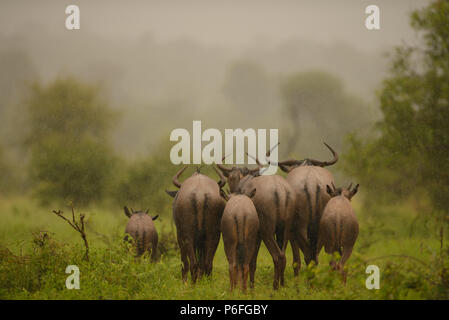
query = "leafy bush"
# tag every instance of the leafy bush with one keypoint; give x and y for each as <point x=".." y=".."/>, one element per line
<point x="68" y="139"/>
<point x="78" y="173"/>
<point x="409" y="151"/>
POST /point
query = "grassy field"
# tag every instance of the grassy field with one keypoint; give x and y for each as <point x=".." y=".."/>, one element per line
<point x="32" y="266"/>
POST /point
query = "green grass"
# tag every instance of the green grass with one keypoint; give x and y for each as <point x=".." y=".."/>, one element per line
<point x="29" y="270"/>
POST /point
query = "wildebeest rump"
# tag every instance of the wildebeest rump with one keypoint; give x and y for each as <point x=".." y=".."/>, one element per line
<point x="308" y="179"/>
<point x="275" y="203"/>
<point x="197" y="211"/>
<point x="141" y="228"/>
<point x="338" y="226"/>
<point x="240" y="229"/>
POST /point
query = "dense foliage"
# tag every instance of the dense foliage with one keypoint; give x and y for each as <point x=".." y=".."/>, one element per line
<point x="68" y="139"/>
<point x="408" y="155"/>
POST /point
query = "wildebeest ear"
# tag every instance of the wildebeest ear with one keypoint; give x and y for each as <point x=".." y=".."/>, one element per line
<point x="329" y="190"/>
<point x="252" y="193"/>
<point x="354" y="191"/>
<point x="172" y="193"/>
<point x="155" y="217"/>
<point x="127" y="213"/>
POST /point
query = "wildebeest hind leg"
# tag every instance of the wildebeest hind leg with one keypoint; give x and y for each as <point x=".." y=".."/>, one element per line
<point x="253" y="262"/>
<point x="194" y="268"/>
<point x="154" y="251"/>
<point x="276" y="254"/>
<point x="346" y="254"/>
<point x="211" y="248"/>
<point x="245" y="277"/>
<point x="296" y="257"/>
<point x="185" y="263"/>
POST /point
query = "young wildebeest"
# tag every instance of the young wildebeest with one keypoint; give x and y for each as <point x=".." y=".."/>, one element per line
<point x="197" y="210"/>
<point x="338" y="226"/>
<point x="275" y="203"/>
<point x="141" y="228"/>
<point x="240" y="229"/>
<point x="308" y="178"/>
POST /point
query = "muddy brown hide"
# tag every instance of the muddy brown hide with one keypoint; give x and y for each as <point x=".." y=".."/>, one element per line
<point x="143" y="232"/>
<point x="240" y="229"/>
<point x="309" y="185"/>
<point x="339" y="227"/>
<point x="197" y="212"/>
<point x="308" y="179"/>
<point x="275" y="203"/>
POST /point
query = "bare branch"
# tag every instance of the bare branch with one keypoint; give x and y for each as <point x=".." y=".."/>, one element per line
<point x="74" y="224"/>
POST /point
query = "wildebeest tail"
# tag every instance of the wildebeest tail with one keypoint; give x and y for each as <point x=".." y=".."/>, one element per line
<point x="338" y="234"/>
<point x="314" y="219"/>
<point x="140" y="243"/>
<point x="200" y="234"/>
<point x="241" y="243"/>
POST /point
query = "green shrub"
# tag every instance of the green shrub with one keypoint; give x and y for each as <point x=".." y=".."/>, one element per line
<point x="68" y="141"/>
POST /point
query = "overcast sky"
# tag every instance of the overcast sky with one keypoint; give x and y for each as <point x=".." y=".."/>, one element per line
<point x="222" y="23"/>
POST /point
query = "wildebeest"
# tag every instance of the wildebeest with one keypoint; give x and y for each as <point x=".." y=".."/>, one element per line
<point x="338" y="226"/>
<point x="240" y="229"/>
<point x="308" y="178"/>
<point x="235" y="174"/>
<point x="197" y="210"/>
<point x="141" y="228"/>
<point x="275" y="203"/>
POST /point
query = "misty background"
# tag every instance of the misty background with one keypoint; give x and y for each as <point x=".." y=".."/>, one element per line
<point x="163" y="64"/>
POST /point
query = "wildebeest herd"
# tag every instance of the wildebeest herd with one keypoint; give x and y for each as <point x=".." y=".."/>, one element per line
<point x="304" y="208"/>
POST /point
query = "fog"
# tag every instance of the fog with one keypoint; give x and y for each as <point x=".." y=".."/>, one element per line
<point x="166" y="63"/>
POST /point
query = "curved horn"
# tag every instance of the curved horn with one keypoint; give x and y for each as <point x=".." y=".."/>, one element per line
<point x="176" y="177"/>
<point x="253" y="171"/>
<point x="325" y="163"/>
<point x="222" y="167"/>
<point x="282" y="164"/>
<point x="290" y="163"/>
<point x="271" y="150"/>
<point x="259" y="165"/>
<point x="222" y="181"/>
<point x="349" y="187"/>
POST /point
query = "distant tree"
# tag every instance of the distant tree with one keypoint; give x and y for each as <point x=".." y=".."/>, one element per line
<point x="68" y="126"/>
<point x="69" y="108"/>
<point x="315" y="103"/>
<point x="409" y="153"/>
